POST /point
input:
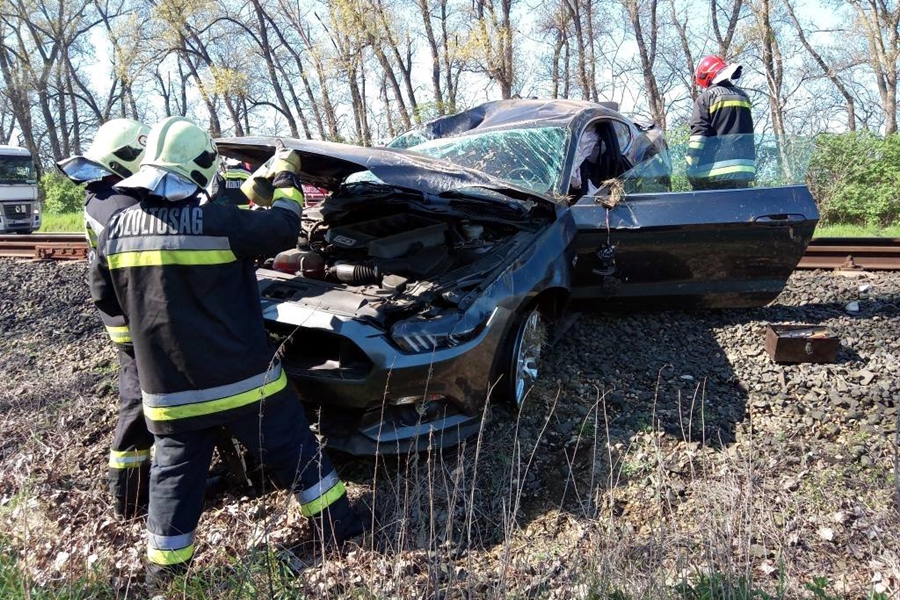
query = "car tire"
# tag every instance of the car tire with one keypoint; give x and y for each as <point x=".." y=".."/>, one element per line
<point x="519" y="365"/>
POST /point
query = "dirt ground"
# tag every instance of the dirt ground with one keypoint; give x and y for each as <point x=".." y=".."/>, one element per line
<point x="660" y="453"/>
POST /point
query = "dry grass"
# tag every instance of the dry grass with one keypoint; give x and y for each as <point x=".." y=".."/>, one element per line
<point x="509" y="514"/>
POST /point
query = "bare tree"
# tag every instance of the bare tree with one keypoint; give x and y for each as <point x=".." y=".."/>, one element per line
<point x="729" y="13"/>
<point x="491" y="37"/>
<point x="38" y="38"/>
<point x="830" y="69"/>
<point x="878" y="21"/>
<point x="644" y="18"/>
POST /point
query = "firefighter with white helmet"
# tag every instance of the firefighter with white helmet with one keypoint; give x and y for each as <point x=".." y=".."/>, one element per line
<point x="182" y="273"/>
<point x="721" y="153"/>
<point x="115" y="154"/>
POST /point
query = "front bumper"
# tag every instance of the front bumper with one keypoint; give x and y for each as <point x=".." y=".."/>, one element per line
<point x="30" y="223"/>
<point x="366" y="396"/>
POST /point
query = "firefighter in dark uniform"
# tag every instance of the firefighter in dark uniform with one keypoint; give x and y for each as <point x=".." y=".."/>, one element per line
<point x="115" y="154"/>
<point x="720" y="153"/>
<point x="227" y="184"/>
<point x="183" y="276"/>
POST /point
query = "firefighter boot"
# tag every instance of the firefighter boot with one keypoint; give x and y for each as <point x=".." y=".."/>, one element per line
<point x="336" y="525"/>
<point x="130" y="490"/>
<point x="158" y="578"/>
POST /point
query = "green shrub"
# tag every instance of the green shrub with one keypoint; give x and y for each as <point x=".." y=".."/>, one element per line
<point x="855" y="178"/>
<point x="60" y="195"/>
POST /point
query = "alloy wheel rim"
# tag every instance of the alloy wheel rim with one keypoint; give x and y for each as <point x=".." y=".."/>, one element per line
<point x="528" y="354"/>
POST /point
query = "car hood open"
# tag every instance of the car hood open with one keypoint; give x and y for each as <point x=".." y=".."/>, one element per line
<point x="327" y="164"/>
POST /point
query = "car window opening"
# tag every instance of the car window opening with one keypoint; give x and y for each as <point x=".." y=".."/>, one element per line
<point x="598" y="160"/>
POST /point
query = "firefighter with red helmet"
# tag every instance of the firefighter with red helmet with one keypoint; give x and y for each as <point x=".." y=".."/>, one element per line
<point x="115" y="154"/>
<point x="182" y="274"/>
<point x="721" y="153"/>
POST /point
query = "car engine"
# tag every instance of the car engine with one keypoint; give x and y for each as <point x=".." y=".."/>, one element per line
<point x="389" y="251"/>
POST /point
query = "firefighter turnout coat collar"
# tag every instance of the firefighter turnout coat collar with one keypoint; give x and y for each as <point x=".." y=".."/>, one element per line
<point x="721" y="143"/>
<point x="204" y="357"/>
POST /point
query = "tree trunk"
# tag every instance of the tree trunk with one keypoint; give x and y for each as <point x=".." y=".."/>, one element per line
<point x="574" y="14"/>
<point x="725" y="39"/>
<point x="425" y="13"/>
<point x="269" y="57"/>
<point x="646" y="42"/>
<point x="881" y="28"/>
<point x="827" y="69"/>
<point x="313" y="103"/>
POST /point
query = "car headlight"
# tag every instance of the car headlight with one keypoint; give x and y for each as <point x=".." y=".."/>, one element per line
<point x="422" y="333"/>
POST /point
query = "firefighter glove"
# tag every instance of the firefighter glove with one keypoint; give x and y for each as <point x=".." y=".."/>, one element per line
<point x="285" y="160"/>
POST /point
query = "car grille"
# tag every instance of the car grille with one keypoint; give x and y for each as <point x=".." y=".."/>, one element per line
<point x="17" y="211"/>
<point x="317" y="353"/>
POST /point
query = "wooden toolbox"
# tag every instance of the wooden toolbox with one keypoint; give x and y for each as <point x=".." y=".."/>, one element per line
<point x="801" y="343"/>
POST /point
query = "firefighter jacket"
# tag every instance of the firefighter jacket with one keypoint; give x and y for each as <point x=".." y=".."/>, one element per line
<point x="101" y="202"/>
<point x="721" y="144"/>
<point x="228" y="187"/>
<point x="183" y="275"/>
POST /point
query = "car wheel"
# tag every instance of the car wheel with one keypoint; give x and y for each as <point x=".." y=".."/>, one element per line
<point x="521" y="365"/>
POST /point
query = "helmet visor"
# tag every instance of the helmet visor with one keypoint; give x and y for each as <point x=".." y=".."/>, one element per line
<point x="83" y="170"/>
<point x="162" y="183"/>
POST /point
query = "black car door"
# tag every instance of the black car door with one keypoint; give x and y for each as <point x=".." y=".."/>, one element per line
<point x="716" y="248"/>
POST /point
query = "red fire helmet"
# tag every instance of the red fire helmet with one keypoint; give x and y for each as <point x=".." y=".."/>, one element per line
<point x="707" y="70"/>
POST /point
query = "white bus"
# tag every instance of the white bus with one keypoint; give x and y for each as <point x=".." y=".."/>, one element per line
<point x="20" y="211"/>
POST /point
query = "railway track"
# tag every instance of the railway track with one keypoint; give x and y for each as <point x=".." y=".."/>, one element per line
<point x="44" y="246"/>
<point x="872" y="254"/>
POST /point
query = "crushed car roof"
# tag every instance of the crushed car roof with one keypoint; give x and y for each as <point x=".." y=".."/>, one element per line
<point x="513" y="114"/>
<point x="327" y="164"/>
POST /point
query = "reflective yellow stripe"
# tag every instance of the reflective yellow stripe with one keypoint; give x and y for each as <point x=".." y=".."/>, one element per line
<point x="171" y="413"/>
<point x="119" y="335"/>
<point x="128" y="459"/>
<point x="289" y="193"/>
<point x="91" y="237"/>
<point x="324" y="501"/>
<point x="729" y="103"/>
<point x="158" y="258"/>
<point x="732" y="169"/>
<point x="244" y="206"/>
<point x="170" y="557"/>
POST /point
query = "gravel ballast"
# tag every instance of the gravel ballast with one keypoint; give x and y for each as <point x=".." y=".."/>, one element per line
<point x="656" y="447"/>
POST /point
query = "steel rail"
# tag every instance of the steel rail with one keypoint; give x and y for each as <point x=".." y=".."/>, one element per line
<point x="42" y="246"/>
<point x="874" y="254"/>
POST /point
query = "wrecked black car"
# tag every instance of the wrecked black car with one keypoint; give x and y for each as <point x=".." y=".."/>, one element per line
<point x="427" y="281"/>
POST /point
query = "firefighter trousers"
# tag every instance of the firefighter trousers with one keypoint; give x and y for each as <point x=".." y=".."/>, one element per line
<point x="129" y="457"/>
<point x="278" y="435"/>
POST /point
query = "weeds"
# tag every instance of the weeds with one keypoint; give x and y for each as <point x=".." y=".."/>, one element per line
<point x="14" y="585"/>
<point x="513" y="513"/>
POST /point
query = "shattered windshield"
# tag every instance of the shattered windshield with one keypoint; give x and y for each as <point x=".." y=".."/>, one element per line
<point x="530" y="158"/>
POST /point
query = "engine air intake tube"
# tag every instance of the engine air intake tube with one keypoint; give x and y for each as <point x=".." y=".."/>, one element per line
<point x="355" y="274"/>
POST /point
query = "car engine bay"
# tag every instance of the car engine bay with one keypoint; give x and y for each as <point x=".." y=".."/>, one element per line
<point x="401" y="250"/>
